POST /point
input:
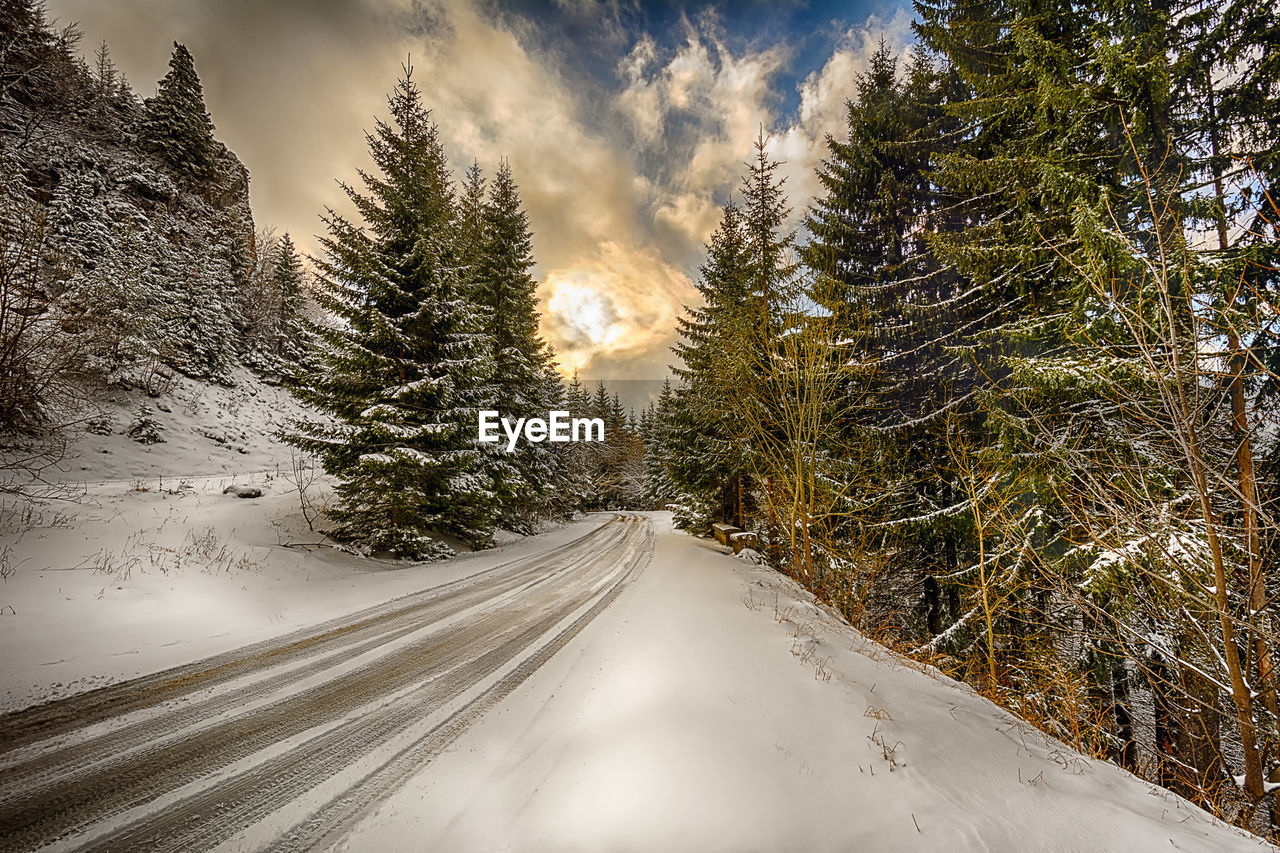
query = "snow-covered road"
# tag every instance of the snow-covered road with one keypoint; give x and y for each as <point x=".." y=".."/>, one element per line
<point x="284" y="742"/>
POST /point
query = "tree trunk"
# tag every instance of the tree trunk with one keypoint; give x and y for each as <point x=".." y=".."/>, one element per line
<point x="1127" y="753"/>
<point x="1257" y="593"/>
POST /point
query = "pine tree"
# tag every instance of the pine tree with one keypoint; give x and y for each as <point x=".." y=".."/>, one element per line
<point x="520" y="358"/>
<point x="657" y="430"/>
<point x="897" y="310"/>
<point x="769" y="250"/>
<point x="749" y="285"/>
<point x="176" y="124"/>
<point x="708" y="458"/>
<point x="507" y="288"/>
<point x="405" y="368"/>
<point x="291" y="339"/>
<point x="575" y="477"/>
<point x="774" y="309"/>
<point x="123" y="312"/>
<point x="469" y="245"/>
<point x="105" y="73"/>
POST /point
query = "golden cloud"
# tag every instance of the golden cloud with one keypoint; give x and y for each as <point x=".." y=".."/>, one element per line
<point x="618" y="305"/>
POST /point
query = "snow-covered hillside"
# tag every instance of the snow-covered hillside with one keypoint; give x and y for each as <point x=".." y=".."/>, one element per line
<point x="197" y="429"/>
<point x="142" y="573"/>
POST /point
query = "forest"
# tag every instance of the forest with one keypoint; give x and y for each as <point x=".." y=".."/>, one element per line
<point x="1006" y="399"/>
<point x="1010" y="403"/>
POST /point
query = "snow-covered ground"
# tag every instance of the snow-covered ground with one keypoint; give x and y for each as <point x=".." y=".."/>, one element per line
<point x="711" y="706"/>
<point x="714" y="707"/>
<point x="134" y="577"/>
<point x="143" y="563"/>
<point x="204" y="429"/>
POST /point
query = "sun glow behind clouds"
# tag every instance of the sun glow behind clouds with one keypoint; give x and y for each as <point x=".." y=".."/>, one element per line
<point x="581" y="308"/>
<point x="613" y="308"/>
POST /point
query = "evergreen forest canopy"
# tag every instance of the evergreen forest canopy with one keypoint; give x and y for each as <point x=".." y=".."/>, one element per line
<point x="1011" y="407"/>
<point x="1008" y="402"/>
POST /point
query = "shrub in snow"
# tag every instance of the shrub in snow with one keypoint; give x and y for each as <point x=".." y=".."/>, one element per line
<point x="693" y="512"/>
<point x="144" y="429"/>
<point x="100" y="425"/>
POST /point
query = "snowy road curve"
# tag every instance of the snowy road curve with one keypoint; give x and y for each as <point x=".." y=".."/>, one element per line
<point x="286" y="743"/>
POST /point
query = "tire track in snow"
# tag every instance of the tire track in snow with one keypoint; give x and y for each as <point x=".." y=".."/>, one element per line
<point x="200" y="787"/>
<point x="63" y="716"/>
<point x="336" y="646"/>
<point x="325" y="827"/>
<point x="132" y="781"/>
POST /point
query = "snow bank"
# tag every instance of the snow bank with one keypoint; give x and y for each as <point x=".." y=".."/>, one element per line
<point x="144" y="574"/>
<point x="714" y="707"/>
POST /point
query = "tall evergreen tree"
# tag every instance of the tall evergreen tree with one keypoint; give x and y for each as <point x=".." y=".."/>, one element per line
<point x="471" y="227"/>
<point x="897" y="312"/>
<point x="750" y="288"/>
<point x="520" y="358"/>
<point x="659" y="443"/>
<point x="507" y="292"/>
<point x="290" y="340"/>
<point x="709" y="458"/>
<point x="575" y="478"/>
<point x="769" y="250"/>
<point x="175" y="122"/>
<point x="405" y="367"/>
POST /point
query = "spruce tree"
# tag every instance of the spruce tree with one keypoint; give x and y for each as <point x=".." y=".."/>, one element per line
<point x="771" y="264"/>
<point x="404" y="368"/>
<point x="290" y="336"/>
<point x="897" y="311"/>
<point x="520" y="358"/>
<point x="709" y="457"/>
<point x="749" y="285"/>
<point x="507" y="290"/>
<point x="469" y="244"/>
<point x="176" y="124"/>
<point x="575" y="479"/>
<point x="659" y="439"/>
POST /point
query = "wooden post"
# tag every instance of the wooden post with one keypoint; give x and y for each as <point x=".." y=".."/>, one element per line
<point x="738" y="514"/>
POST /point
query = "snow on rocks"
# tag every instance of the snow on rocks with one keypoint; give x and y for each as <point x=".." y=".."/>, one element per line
<point x="243" y="491"/>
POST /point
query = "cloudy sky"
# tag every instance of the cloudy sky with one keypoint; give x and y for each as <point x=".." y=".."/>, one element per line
<point x="627" y="124"/>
